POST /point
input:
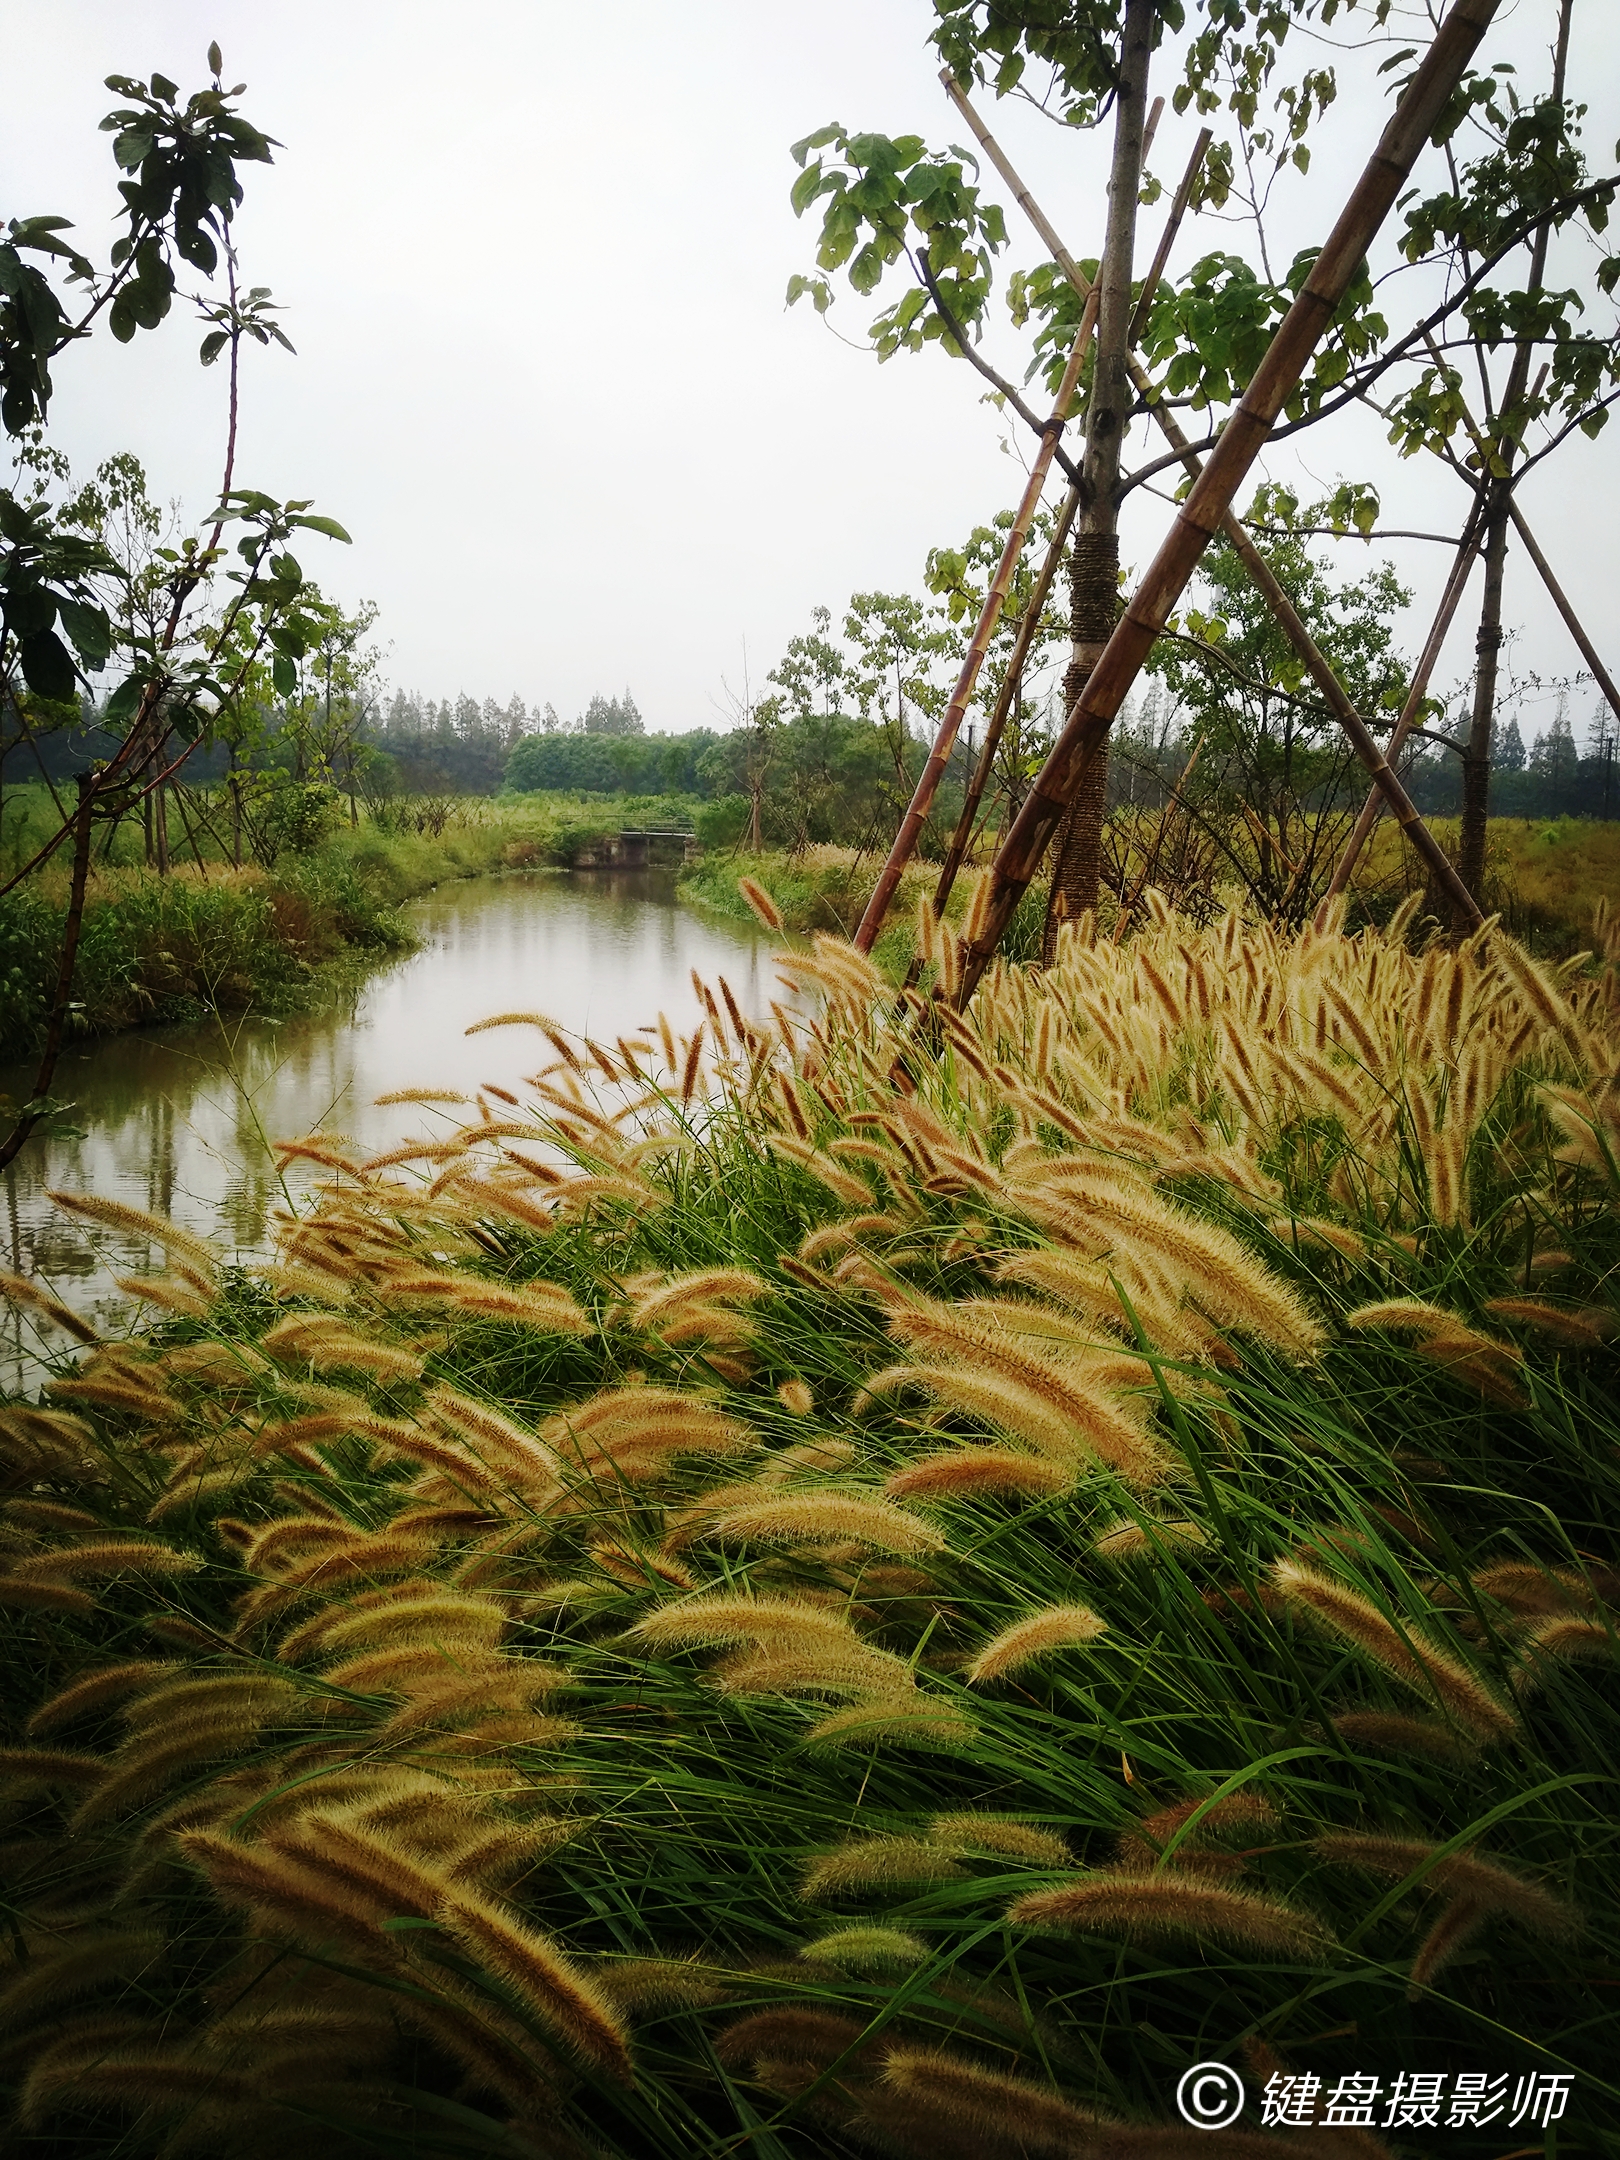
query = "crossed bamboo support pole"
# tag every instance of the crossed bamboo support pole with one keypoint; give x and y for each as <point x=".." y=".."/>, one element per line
<point x="1468" y="548"/>
<point x="939" y="757"/>
<point x="1456" y="584"/>
<point x="1365" y="212"/>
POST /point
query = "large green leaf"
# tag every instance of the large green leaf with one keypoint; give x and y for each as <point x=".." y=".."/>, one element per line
<point x="47" y="666"/>
<point x="89" y="629"/>
<point x="125" y="700"/>
<point x="330" y="526"/>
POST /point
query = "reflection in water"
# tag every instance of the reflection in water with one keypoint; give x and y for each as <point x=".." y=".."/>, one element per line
<point x="179" y="1121"/>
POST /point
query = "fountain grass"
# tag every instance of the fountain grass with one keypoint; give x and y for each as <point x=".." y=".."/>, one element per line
<point x="446" y="1722"/>
<point x="823" y="890"/>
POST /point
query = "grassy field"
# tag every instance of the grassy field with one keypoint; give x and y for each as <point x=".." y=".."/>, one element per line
<point x="1544" y="879"/>
<point x="1548" y="875"/>
<point x="902" y="1588"/>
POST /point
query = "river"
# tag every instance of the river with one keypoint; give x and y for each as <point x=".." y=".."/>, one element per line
<point x="179" y="1121"/>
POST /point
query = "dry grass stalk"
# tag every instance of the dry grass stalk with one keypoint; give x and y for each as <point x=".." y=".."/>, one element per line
<point x="93" y="1692"/>
<point x="1475" y="1891"/>
<point x="944" y="2104"/>
<point x="1006" y="1834"/>
<point x="826" y="1518"/>
<point x="19" y="1290"/>
<point x="962" y="1473"/>
<point x="911" y="1720"/>
<point x="866" y="1948"/>
<point x="136" y="1222"/>
<point x="876" y="1863"/>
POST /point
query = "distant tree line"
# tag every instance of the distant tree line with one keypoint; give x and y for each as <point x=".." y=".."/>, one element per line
<point x="1557" y="777"/>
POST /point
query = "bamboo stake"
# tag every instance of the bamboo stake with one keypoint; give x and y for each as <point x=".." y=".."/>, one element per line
<point x="1167" y="240"/>
<point x="911" y="825"/>
<point x="1600" y="673"/>
<point x="1232" y="531"/>
<point x="1451" y="599"/>
<point x="1200" y="517"/>
<point x="1028" y="628"/>
<point x="1071" y="502"/>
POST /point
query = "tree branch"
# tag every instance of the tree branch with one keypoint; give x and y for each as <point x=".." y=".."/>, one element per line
<point x="969" y="352"/>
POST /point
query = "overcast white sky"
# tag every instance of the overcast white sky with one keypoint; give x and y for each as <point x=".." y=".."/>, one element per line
<point x="533" y="259"/>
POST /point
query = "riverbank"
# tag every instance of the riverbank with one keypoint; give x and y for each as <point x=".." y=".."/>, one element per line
<point x="1543" y="877"/>
<point x="208" y="938"/>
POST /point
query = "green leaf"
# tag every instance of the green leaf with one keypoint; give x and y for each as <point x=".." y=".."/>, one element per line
<point x="284" y="675"/>
<point x="806" y="188"/>
<point x="866" y="271"/>
<point x="89" y="629"/>
<point x="148" y="303"/>
<point x="213" y="345"/>
<point x="47" y="666"/>
<point x="133" y="148"/>
<point x="163" y="88"/>
<point x="125" y="699"/>
<point x="330" y="526"/>
<point x="818" y="141"/>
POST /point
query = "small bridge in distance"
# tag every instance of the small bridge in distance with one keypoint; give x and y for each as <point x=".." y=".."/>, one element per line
<point x="639" y="847"/>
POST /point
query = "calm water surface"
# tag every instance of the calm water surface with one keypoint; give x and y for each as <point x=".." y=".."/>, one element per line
<point x="179" y="1121"/>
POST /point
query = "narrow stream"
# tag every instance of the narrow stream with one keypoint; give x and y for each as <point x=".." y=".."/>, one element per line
<point x="178" y="1121"/>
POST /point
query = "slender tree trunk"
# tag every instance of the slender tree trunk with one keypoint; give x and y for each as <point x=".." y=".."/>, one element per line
<point x="1094" y="569"/>
<point x="33" y="1109"/>
<point x="1476" y="802"/>
<point x="1476" y="764"/>
<point x="1076" y="866"/>
<point x="160" y="827"/>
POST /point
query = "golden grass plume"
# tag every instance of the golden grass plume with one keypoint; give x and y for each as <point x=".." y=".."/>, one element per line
<point x="1038" y="1635"/>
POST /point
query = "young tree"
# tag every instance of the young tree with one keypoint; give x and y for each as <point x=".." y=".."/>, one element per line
<point x="1269" y="787"/>
<point x="68" y="605"/>
<point x="897" y="646"/>
<point x="1203" y="333"/>
<point x="1544" y="359"/>
<point x="922" y="206"/>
